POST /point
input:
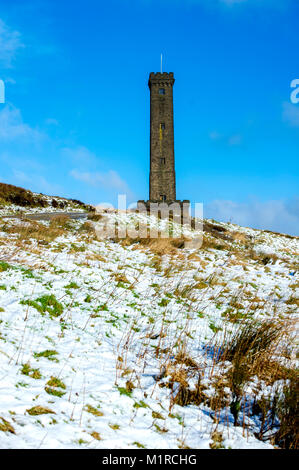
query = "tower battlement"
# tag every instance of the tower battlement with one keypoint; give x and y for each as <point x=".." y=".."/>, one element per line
<point x="157" y="78"/>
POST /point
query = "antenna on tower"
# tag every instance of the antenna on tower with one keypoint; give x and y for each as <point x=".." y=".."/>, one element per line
<point x="161" y="63"/>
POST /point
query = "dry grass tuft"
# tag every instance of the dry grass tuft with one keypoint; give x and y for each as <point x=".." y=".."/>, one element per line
<point x="39" y="410"/>
<point x="240" y="237"/>
<point x="182" y="358"/>
<point x="87" y="227"/>
<point x="252" y="340"/>
<point x="60" y="221"/>
<point x="217" y="440"/>
<point x="287" y="436"/>
<point x="31" y="229"/>
<point x="121" y="278"/>
<point x="5" y="426"/>
<point x="94" y="217"/>
<point x="211" y="243"/>
<point x="159" y="246"/>
<point x="252" y="351"/>
<point x="185" y="396"/>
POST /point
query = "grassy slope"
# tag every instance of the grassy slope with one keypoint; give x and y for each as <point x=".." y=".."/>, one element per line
<point x="13" y="198"/>
<point x="121" y="343"/>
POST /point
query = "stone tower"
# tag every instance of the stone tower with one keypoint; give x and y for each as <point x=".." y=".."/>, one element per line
<point x="162" y="171"/>
<point x="162" y="193"/>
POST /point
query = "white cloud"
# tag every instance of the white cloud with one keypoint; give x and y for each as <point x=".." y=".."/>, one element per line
<point x="79" y="154"/>
<point x="290" y="114"/>
<point x="12" y="159"/>
<point x="232" y="2"/>
<point x="13" y="128"/>
<point x="10" y="43"/>
<point x="232" y="141"/>
<point x="214" y="135"/>
<point x="37" y="183"/>
<point x="18" y="140"/>
<point x="259" y="3"/>
<point x="52" y="122"/>
<point x="10" y="80"/>
<point x="235" y="140"/>
<point x="107" y="180"/>
<point x="280" y="216"/>
<point x="227" y="4"/>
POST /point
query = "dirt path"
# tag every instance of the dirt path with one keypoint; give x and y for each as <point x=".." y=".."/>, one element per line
<point x="47" y="215"/>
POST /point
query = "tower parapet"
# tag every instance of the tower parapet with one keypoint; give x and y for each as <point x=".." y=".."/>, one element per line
<point x="158" y="78"/>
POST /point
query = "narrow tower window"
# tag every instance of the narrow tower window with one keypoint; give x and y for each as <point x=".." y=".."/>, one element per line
<point x="162" y="126"/>
<point x="161" y="91"/>
<point x="162" y="160"/>
<point x="163" y="197"/>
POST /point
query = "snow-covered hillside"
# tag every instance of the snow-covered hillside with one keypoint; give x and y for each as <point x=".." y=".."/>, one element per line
<point x="121" y="343"/>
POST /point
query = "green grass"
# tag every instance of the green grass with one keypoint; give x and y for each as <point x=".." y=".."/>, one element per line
<point x="94" y="411"/>
<point x="140" y="404"/>
<point x="77" y="248"/>
<point x="114" y="426"/>
<point x="139" y="445"/>
<point x="4" y="266"/>
<point x="46" y="303"/>
<point x="82" y="441"/>
<point x="157" y="415"/>
<point x="27" y="273"/>
<point x="48" y="353"/>
<point x="124" y="391"/>
<point x="56" y="382"/>
<point x="33" y="373"/>
<point x="72" y="285"/>
<point x="214" y="328"/>
<point x="164" y="303"/>
<point x="22" y="384"/>
<point x="39" y="410"/>
<point x="53" y="391"/>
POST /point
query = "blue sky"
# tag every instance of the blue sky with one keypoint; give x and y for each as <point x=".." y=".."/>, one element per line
<point x="76" y="118"/>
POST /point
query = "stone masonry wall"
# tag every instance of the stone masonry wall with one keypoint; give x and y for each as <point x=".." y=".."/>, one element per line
<point x="162" y="170"/>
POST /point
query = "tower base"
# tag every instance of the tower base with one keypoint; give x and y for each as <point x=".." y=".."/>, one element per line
<point x="178" y="211"/>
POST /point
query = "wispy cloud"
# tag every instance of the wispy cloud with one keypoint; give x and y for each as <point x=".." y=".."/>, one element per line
<point x="108" y="180"/>
<point x="231" y="140"/>
<point x="12" y="127"/>
<point x="18" y="140"/>
<point x="37" y="183"/>
<point x="290" y="113"/>
<point x="79" y="154"/>
<point x="10" y="43"/>
<point x="281" y="216"/>
<point x="235" y="140"/>
<point x="254" y="3"/>
<point x="25" y="161"/>
<point x="227" y="4"/>
<point x="232" y="2"/>
<point x="52" y="122"/>
<point x="214" y="135"/>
